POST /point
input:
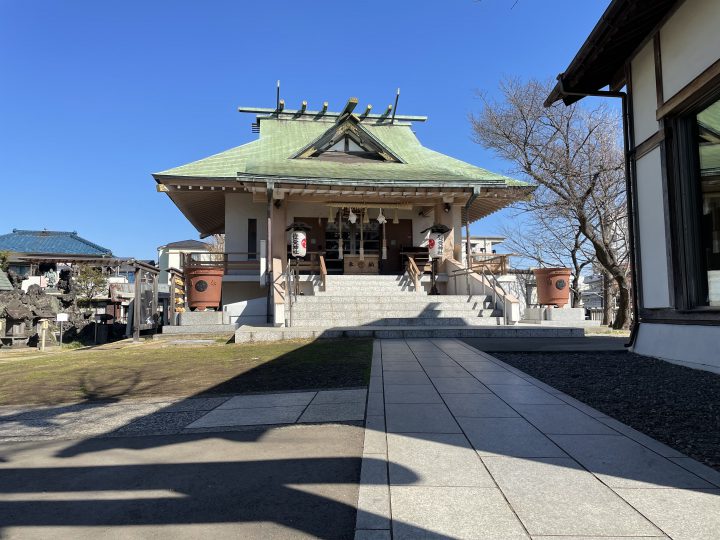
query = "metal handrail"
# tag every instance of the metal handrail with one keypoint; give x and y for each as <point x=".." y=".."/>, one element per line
<point x="494" y="284"/>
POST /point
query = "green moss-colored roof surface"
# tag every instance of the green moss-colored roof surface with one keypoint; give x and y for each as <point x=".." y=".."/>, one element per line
<point x="5" y="284"/>
<point x="271" y="156"/>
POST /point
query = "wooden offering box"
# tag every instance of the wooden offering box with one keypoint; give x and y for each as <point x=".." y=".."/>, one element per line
<point x="369" y="265"/>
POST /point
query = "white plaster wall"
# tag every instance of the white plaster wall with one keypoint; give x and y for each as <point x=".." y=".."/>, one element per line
<point x="420" y="223"/>
<point x="247" y="312"/>
<point x="163" y="264"/>
<point x="239" y="207"/>
<point x="689" y="43"/>
<point x="241" y="291"/>
<point x="644" y="98"/>
<point x="686" y="344"/>
<point x="653" y="244"/>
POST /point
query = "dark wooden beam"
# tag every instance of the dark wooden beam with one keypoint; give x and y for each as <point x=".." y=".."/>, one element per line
<point x="349" y="106"/>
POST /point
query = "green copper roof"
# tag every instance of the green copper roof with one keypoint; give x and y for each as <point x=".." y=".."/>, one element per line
<point x="280" y="139"/>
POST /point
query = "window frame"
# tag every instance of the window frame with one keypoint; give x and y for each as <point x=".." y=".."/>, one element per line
<point x="686" y="210"/>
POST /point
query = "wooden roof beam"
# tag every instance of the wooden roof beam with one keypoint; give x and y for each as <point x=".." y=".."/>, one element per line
<point x="349" y="106"/>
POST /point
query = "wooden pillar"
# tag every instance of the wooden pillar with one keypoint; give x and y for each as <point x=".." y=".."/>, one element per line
<point x="278" y="234"/>
<point x="170" y="315"/>
<point x="468" y="245"/>
<point x="270" y="277"/>
<point x="447" y="219"/>
<point x="155" y="301"/>
<point x="136" y="305"/>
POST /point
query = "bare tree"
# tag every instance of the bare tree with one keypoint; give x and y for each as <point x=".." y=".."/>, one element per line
<point x="547" y="242"/>
<point x="217" y="243"/>
<point x="574" y="156"/>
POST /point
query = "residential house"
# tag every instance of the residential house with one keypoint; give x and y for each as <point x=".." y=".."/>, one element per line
<point x="171" y="256"/>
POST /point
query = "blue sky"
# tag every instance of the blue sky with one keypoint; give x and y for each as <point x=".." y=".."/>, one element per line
<point x="96" y="96"/>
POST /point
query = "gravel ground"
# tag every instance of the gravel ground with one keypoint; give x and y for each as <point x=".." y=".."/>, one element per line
<point x="677" y="405"/>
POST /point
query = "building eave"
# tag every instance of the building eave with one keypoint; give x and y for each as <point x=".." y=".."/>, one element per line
<point x="622" y="28"/>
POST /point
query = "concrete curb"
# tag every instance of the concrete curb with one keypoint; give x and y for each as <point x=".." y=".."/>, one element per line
<point x="373" y="509"/>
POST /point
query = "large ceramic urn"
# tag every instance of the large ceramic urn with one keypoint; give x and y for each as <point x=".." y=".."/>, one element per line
<point x="553" y="286"/>
<point x="204" y="287"/>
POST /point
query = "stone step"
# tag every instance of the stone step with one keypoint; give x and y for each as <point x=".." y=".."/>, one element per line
<point x="399" y="299"/>
<point x="200" y="329"/>
<point x="352" y="312"/>
<point x="396" y="321"/>
<point x="357" y="291"/>
<point x="246" y="334"/>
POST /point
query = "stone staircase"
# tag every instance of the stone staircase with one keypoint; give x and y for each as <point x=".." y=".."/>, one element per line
<point x="381" y="301"/>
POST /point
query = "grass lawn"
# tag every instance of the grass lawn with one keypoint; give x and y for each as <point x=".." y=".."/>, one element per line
<point x="158" y="369"/>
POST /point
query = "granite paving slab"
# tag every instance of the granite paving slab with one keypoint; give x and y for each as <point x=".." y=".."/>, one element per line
<point x="508" y="437"/>
<point x="333" y="412"/>
<point x="478" y="406"/>
<point x="623" y="463"/>
<point x="500" y="377"/>
<point x="411" y="393"/>
<point x="563" y="420"/>
<point x="682" y="514"/>
<point x="555" y="496"/>
<point x="268" y="400"/>
<point x="340" y="396"/>
<point x="452" y="512"/>
<point x="455" y="385"/>
<point x="399" y="377"/>
<point x="402" y="366"/>
<point x="435" y="459"/>
<point x="446" y="371"/>
<point x="419" y="418"/>
<point x="523" y="394"/>
<point x="249" y="417"/>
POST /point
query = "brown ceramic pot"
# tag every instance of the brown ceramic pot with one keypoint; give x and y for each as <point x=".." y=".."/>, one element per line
<point x="204" y="287"/>
<point x="553" y="286"/>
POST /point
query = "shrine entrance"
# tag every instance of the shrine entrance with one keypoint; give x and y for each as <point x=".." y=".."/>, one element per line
<point x="361" y="244"/>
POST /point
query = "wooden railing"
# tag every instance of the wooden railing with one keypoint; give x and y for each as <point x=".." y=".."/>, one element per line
<point x="323" y="272"/>
<point x="491" y="262"/>
<point x="232" y="261"/>
<point x="421" y="258"/>
<point x="414" y="272"/>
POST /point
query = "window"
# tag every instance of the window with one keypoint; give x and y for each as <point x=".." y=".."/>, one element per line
<point x="696" y="207"/>
<point x="708" y="149"/>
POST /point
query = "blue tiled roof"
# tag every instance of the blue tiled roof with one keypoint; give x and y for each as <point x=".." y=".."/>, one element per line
<point x="50" y="242"/>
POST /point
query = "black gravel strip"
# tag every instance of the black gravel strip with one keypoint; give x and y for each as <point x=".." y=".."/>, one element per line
<point x="676" y="405"/>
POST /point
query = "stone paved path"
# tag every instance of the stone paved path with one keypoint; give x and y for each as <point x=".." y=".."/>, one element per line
<point x="168" y="416"/>
<point x="460" y="445"/>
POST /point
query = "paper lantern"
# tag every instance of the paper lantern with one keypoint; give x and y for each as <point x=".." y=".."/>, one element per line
<point x="298" y="243"/>
<point x="436" y="243"/>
